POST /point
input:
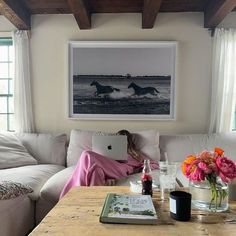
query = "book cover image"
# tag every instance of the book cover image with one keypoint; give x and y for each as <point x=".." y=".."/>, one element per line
<point x="133" y="209"/>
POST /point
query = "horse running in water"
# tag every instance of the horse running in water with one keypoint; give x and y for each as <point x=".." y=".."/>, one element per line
<point x="103" y="89"/>
<point x="143" y="91"/>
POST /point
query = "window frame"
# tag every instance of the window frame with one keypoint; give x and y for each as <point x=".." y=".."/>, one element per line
<point x="234" y="120"/>
<point x="7" y="41"/>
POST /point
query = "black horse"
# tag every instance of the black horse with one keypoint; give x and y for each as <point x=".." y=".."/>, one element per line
<point x="143" y="91"/>
<point x="103" y="89"/>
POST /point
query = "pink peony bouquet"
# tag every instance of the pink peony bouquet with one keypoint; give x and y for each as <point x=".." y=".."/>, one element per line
<point x="210" y="166"/>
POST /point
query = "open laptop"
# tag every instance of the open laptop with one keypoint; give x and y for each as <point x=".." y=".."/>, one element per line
<point x="112" y="146"/>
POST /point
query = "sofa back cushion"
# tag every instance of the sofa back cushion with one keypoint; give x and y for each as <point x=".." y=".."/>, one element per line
<point x="145" y="141"/>
<point x="178" y="147"/>
<point x="46" y="148"/>
<point x="13" y="153"/>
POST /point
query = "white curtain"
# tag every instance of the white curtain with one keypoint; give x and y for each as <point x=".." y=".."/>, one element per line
<point x="223" y="94"/>
<point x="24" y="121"/>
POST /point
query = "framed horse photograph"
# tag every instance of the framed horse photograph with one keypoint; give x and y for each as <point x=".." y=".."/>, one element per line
<point x="122" y="80"/>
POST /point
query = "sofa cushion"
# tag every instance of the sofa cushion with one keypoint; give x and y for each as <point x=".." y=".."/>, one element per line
<point x="51" y="190"/>
<point x="46" y="148"/>
<point x="9" y="189"/>
<point x="79" y="141"/>
<point x="227" y="141"/>
<point x="145" y="141"/>
<point x="13" y="153"/>
<point x="178" y="147"/>
<point x="34" y="176"/>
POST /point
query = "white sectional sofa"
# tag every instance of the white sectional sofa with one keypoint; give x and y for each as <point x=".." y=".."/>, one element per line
<point x="20" y="215"/>
<point x="54" y="167"/>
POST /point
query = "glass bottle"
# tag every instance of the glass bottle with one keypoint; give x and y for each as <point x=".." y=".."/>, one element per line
<point x="147" y="178"/>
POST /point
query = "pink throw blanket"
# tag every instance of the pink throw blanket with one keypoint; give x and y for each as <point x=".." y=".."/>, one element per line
<point x="93" y="169"/>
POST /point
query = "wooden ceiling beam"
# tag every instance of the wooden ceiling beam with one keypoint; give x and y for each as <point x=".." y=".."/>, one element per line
<point x="16" y="13"/>
<point x="216" y="11"/>
<point x="81" y="13"/>
<point x="150" y="11"/>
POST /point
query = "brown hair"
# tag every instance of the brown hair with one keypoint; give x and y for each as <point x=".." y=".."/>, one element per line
<point x="131" y="149"/>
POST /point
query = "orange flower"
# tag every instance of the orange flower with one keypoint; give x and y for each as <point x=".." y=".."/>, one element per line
<point x="187" y="162"/>
<point x="219" y="151"/>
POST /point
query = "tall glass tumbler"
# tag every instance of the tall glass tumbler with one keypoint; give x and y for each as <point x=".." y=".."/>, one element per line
<point x="167" y="177"/>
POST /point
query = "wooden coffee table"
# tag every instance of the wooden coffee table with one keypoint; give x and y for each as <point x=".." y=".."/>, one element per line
<point x="78" y="214"/>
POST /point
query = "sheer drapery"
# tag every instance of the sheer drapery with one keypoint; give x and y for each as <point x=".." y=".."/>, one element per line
<point x="24" y="121"/>
<point x="223" y="95"/>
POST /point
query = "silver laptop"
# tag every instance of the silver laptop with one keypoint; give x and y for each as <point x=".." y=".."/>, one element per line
<point x="112" y="146"/>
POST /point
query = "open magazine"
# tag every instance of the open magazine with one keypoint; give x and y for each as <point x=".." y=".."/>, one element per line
<point x="128" y="209"/>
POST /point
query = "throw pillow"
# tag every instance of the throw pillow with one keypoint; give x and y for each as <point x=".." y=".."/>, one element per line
<point x="146" y="141"/>
<point x="10" y="190"/>
<point x="46" y="148"/>
<point x="13" y="153"/>
<point x="80" y="140"/>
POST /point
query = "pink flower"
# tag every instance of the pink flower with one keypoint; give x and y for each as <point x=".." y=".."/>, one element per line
<point x="205" y="168"/>
<point x="197" y="175"/>
<point x="194" y="173"/>
<point x="226" y="168"/>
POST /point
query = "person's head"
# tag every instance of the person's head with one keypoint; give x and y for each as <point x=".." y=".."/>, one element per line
<point x="131" y="149"/>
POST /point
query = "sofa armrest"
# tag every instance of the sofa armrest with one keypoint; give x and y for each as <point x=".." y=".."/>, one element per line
<point x="52" y="188"/>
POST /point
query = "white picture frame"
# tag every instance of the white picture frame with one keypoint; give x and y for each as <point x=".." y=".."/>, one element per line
<point x="121" y="80"/>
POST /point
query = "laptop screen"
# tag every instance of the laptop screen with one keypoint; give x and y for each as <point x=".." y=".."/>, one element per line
<point x="111" y="146"/>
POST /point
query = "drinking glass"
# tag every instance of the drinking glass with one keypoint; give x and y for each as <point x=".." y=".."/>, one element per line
<point x="167" y="177"/>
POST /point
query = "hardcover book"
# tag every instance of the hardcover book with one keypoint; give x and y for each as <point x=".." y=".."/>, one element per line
<point x="128" y="209"/>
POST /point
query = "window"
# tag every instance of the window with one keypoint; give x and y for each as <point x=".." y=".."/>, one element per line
<point x="234" y="122"/>
<point x="6" y="85"/>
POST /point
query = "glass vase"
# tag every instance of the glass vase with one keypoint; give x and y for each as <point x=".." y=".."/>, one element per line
<point x="209" y="197"/>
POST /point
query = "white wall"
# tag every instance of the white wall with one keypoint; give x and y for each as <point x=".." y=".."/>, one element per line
<point x="5" y="26"/>
<point x="50" y="36"/>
